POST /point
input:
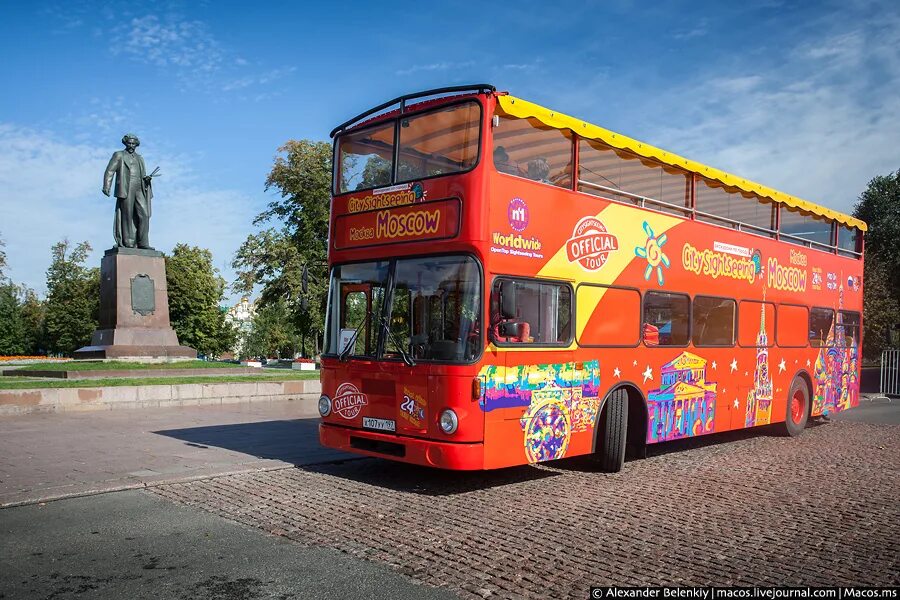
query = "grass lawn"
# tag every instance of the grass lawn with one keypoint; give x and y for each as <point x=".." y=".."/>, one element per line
<point x="121" y="365"/>
<point x="9" y="383"/>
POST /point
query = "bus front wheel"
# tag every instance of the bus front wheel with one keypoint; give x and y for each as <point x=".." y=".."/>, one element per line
<point x="612" y="430"/>
<point x="797" y="408"/>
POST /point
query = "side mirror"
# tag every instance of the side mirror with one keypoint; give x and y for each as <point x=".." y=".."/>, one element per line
<point x="509" y="329"/>
<point x="508" y="299"/>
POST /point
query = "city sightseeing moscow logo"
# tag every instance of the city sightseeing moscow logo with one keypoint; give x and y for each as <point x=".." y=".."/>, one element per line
<point x="591" y="244"/>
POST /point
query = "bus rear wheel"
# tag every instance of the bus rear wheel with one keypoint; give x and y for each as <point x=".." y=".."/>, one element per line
<point x="797" y="409"/>
<point x="612" y="429"/>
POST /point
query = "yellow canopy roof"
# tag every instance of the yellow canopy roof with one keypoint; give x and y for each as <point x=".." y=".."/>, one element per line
<point x="524" y="109"/>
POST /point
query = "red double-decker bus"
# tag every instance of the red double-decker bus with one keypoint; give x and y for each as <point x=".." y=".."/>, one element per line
<point x="512" y="285"/>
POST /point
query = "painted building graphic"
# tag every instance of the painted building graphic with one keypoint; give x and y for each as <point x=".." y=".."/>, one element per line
<point x="685" y="403"/>
<point x="836" y="379"/>
<point x="560" y="400"/>
<point x="759" y="398"/>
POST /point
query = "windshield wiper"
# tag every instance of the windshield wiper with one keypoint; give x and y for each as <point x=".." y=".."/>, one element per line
<point x="345" y="353"/>
<point x="406" y="357"/>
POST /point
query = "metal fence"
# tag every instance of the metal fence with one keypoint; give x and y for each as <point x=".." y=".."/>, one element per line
<point x="890" y="373"/>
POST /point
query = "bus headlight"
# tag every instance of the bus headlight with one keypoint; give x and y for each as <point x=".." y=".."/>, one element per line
<point x="449" y="422"/>
<point x="324" y="405"/>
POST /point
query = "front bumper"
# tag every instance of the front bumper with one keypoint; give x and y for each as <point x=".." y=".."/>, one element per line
<point x="429" y="453"/>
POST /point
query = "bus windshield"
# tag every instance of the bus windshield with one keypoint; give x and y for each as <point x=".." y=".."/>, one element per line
<point x="433" y="143"/>
<point x="434" y="311"/>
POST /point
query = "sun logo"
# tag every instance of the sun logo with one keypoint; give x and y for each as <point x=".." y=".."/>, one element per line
<point x="652" y="251"/>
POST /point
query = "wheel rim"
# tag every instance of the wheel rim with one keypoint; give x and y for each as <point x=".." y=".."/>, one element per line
<point x="798" y="403"/>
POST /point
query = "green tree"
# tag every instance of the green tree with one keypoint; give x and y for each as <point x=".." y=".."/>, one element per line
<point x="73" y="298"/>
<point x="272" y="333"/>
<point x="879" y="207"/>
<point x="195" y="292"/>
<point x="34" y="311"/>
<point x="12" y="325"/>
<point x="275" y="257"/>
<point x="2" y="260"/>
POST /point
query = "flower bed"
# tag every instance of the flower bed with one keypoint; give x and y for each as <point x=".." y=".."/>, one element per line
<point x="22" y="359"/>
<point x="304" y="364"/>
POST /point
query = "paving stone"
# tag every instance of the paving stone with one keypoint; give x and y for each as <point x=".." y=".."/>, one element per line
<point x="754" y="509"/>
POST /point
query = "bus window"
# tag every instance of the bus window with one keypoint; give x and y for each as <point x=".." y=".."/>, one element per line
<point x="712" y="321"/>
<point x="602" y="170"/>
<point x="850" y="321"/>
<point x="793" y="326"/>
<point x="439" y="142"/>
<point x="716" y="200"/>
<point x="531" y="312"/>
<point x="358" y="293"/>
<point x="820" y="320"/>
<point x="666" y="319"/>
<point x="615" y="319"/>
<point x="365" y="159"/>
<point x="435" y="310"/>
<point x="527" y="148"/>
<point x="756" y="319"/>
<point x="848" y="240"/>
<point x="799" y="226"/>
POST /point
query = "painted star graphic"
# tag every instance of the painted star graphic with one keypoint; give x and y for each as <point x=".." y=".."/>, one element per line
<point x="733" y="365"/>
<point x="736" y="403"/>
<point x="781" y="366"/>
<point x="617" y="373"/>
<point x="746" y="373"/>
<point x="807" y="362"/>
<point x="648" y="374"/>
<point x="634" y="364"/>
<point x="714" y="366"/>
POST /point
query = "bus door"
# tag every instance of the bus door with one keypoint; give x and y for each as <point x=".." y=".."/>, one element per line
<point x="532" y="392"/>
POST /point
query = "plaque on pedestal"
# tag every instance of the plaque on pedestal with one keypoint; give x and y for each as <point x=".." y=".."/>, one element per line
<point x="134" y="309"/>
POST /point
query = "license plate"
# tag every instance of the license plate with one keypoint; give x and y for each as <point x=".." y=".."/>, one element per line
<point x="380" y="424"/>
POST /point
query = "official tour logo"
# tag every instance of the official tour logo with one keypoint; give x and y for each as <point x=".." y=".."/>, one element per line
<point x="517" y="213"/>
<point x="348" y="401"/>
<point x="591" y="244"/>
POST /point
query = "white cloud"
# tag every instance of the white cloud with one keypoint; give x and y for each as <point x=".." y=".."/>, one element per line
<point x="819" y="125"/>
<point x="437" y="66"/>
<point x="50" y="189"/>
<point x="171" y="42"/>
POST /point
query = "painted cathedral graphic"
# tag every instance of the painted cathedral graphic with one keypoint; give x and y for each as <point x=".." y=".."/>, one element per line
<point x="836" y="372"/>
<point x="685" y="403"/>
<point x="759" y="398"/>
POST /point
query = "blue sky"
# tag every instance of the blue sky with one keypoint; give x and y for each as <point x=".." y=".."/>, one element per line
<point x="801" y="96"/>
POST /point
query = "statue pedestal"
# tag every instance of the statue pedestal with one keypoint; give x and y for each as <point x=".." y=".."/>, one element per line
<point x="134" y="310"/>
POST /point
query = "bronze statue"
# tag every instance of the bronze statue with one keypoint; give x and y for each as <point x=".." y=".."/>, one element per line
<point x="134" y="192"/>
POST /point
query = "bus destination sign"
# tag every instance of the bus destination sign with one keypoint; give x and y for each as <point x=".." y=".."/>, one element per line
<point x="421" y="221"/>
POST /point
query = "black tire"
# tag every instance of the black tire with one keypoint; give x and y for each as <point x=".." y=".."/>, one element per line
<point x="612" y="430"/>
<point x="797" y="411"/>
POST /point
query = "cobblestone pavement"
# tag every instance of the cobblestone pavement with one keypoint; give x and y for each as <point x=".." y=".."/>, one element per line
<point x="735" y="509"/>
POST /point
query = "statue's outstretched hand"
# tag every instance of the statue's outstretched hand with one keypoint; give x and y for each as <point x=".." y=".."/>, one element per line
<point x="106" y="193"/>
<point x="147" y="180"/>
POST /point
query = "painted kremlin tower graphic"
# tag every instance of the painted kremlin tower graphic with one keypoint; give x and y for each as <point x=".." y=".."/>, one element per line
<point x="837" y="386"/>
<point x="759" y="399"/>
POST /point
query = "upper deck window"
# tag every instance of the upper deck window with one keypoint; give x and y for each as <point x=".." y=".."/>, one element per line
<point x="365" y="158"/>
<point x="800" y="224"/>
<point x="604" y="171"/>
<point x="848" y="240"/>
<point x="438" y="142"/>
<point x="527" y="148"/>
<point x="729" y="207"/>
